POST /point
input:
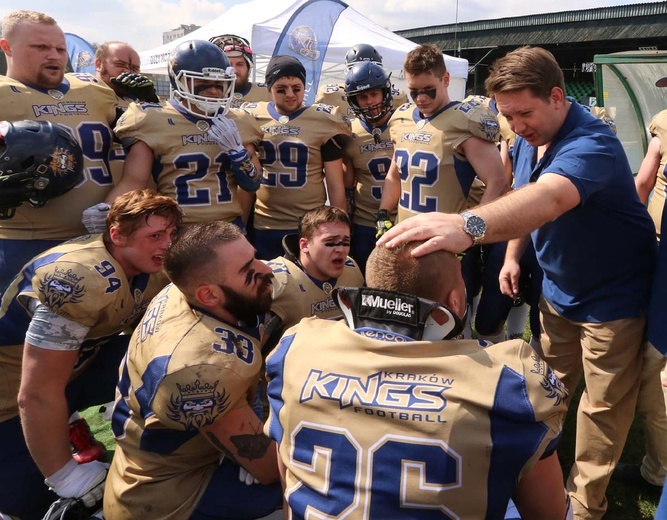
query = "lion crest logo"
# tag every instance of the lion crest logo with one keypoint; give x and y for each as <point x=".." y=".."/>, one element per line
<point x="197" y="405"/>
<point x="61" y="287"/>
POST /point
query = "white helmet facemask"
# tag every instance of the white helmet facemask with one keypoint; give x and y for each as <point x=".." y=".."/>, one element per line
<point x="185" y="91"/>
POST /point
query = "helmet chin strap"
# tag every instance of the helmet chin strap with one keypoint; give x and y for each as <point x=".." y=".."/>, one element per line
<point x="406" y="314"/>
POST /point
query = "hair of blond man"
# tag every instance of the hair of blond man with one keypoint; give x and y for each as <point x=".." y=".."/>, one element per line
<point x="314" y="218"/>
<point x="430" y="276"/>
<point x="15" y="18"/>
<point x="102" y="52"/>
<point x="192" y="257"/>
<point x="131" y="210"/>
<point x="425" y="59"/>
<point x="532" y="68"/>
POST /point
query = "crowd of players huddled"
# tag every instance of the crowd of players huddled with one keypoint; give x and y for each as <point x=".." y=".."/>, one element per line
<point x="318" y="311"/>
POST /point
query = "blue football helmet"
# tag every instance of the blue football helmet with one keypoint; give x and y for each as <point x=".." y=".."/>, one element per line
<point x="39" y="160"/>
<point x="363" y="77"/>
<point x="201" y="60"/>
<point x="303" y="41"/>
<point x="362" y="52"/>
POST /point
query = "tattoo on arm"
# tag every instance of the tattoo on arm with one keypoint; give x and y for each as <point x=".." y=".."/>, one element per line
<point x="251" y="446"/>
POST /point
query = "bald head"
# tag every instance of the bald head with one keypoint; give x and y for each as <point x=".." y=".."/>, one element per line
<point x="114" y="58"/>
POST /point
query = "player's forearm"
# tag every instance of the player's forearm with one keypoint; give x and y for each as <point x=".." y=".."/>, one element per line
<point x="516" y="248"/>
<point x="391" y="191"/>
<point x="495" y="188"/>
<point x="45" y="428"/>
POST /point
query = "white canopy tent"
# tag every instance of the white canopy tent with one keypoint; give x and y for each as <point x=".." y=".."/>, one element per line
<point x="352" y="27"/>
<point x="263" y="21"/>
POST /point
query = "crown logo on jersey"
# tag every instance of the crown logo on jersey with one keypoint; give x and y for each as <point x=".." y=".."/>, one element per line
<point x="203" y="125"/>
<point x="60" y="287"/>
<point x="283" y="120"/>
<point x="197" y="404"/>
<point x="62" y="161"/>
<point x="197" y="391"/>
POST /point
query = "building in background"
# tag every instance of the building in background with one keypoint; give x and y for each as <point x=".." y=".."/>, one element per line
<point x="180" y="31"/>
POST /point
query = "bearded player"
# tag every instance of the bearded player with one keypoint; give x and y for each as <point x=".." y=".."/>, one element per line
<point x="36" y="87"/>
<point x="301" y="156"/>
<point x="369" y="151"/>
<point x="387" y="415"/>
<point x="315" y="262"/>
<point x="60" y="322"/>
<point x="191" y="370"/>
<point x="241" y="57"/>
<point x="334" y="93"/>
<point x="192" y="146"/>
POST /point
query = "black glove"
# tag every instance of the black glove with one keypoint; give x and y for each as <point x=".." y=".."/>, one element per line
<point x="135" y="85"/>
<point x="382" y="223"/>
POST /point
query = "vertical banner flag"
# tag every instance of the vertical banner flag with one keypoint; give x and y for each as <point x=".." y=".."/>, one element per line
<point x="81" y="54"/>
<point x="306" y="36"/>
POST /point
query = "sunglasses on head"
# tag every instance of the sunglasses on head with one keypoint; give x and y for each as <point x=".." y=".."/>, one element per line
<point x="238" y="48"/>
<point x="430" y="92"/>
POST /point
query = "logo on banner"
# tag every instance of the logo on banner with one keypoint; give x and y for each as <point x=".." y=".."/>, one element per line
<point x="84" y="59"/>
<point x="303" y="41"/>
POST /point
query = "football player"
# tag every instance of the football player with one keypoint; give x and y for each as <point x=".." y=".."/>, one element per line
<point x="369" y="151"/>
<point x="36" y="87"/>
<point x="182" y="403"/>
<point x="334" y="93"/>
<point x="192" y="146"/>
<point x="440" y="145"/>
<point x="401" y="420"/>
<point x="117" y="64"/>
<point x="300" y="152"/>
<point x="60" y="350"/>
<point x="314" y="263"/>
<point x="240" y="55"/>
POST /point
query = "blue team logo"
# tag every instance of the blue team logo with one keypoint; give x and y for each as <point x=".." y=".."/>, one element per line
<point x="489" y="127"/>
<point x="197" y="405"/>
<point x="554" y="387"/>
<point x="60" y="287"/>
<point x="84" y="59"/>
<point x="303" y="41"/>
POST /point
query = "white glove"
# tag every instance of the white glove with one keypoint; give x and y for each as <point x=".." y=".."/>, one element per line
<point x="82" y="481"/>
<point x="224" y="132"/>
<point x="245" y="476"/>
<point x="95" y="218"/>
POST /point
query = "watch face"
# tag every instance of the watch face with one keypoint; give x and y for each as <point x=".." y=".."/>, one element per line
<point x="476" y="225"/>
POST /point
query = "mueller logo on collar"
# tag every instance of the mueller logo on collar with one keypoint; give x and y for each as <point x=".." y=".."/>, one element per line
<point x="401" y="308"/>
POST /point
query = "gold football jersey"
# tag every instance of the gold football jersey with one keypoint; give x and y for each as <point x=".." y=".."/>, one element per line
<point x="371" y="424"/>
<point x="656" y="205"/>
<point x="189" y="166"/>
<point x="80" y="281"/>
<point x="184" y="370"/>
<point x="86" y="107"/>
<point x="296" y="295"/>
<point x="435" y="175"/>
<point x="334" y="94"/>
<point x="291" y="157"/>
<point x="256" y="92"/>
<point x="371" y="161"/>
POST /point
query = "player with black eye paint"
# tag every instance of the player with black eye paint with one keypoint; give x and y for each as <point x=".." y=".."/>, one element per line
<point x="314" y="263"/>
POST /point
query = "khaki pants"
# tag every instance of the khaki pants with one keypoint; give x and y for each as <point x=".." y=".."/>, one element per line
<point x="609" y="356"/>
<point x="651" y="405"/>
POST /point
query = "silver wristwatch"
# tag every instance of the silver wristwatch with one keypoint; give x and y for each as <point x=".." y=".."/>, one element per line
<point x="474" y="225"/>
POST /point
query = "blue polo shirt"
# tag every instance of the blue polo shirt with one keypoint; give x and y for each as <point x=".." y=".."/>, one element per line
<point x="598" y="258"/>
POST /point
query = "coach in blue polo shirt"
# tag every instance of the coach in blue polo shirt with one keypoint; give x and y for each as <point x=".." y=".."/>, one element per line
<point x="594" y="240"/>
